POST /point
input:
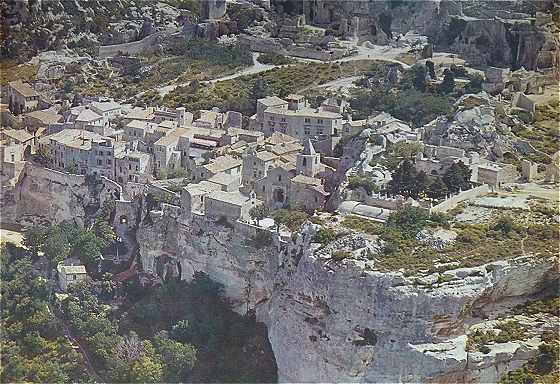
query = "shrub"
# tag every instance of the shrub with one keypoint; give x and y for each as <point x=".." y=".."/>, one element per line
<point x="341" y="255"/>
<point x="355" y="182"/>
<point x="504" y="224"/>
<point x="324" y="236"/>
<point x="290" y="218"/>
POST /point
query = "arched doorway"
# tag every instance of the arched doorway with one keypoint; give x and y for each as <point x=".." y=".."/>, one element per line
<point x="278" y="195"/>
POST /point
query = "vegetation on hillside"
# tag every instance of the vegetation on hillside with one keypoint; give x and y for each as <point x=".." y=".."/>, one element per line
<point x="240" y="94"/>
<point x="32" y="343"/>
<point x="476" y="244"/>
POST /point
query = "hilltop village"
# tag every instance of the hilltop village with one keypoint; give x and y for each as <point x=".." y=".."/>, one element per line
<point x="337" y="181"/>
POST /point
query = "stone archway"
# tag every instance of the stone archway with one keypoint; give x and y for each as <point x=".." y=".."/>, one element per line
<point x="278" y="196"/>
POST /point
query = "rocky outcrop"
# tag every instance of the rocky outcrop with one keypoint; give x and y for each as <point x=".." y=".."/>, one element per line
<point x="172" y="243"/>
<point x="343" y="320"/>
<point x="338" y="321"/>
<point x="46" y="196"/>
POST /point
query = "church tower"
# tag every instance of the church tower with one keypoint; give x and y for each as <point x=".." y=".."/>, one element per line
<point x="308" y="161"/>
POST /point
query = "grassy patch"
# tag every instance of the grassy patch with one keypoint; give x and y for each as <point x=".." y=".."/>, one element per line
<point x="11" y="71"/>
<point x="507" y="331"/>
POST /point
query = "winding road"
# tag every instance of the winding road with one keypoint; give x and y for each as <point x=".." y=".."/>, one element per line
<point x="364" y="52"/>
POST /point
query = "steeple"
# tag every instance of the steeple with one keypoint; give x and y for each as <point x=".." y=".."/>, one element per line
<point x="308" y="148"/>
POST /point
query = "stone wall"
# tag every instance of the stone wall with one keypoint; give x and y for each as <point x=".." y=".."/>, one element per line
<point x="141" y="46"/>
<point x="453" y="201"/>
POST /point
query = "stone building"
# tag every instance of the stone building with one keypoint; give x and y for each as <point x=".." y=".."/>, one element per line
<point x="221" y="164"/>
<point x="70" y="271"/>
<point x="295" y="185"/>
<point x="82" y="151"/>
<point x="295" y="119"/>
<point x="22" y="98"/>
<point x="133" y="166"/>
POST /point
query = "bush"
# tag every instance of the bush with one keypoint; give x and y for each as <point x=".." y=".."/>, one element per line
<point x="504" y="224"/>
<point x="324" y="236"/>
<point x="290" y="218"/>
<point x="341" y="255"/>
<point x="355" y="182"/>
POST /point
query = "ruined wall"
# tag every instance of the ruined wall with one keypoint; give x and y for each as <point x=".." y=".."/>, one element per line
<point x="146" y="44"/>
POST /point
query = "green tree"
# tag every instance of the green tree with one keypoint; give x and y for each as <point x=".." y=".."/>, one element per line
<point x="419" y="72"/>
<point x="457" y="177"/>
<point x="33" y="239"/>
<point x="448" y="83"/>
<point x="179" y="358"/>
<point x="146" y="370"/>
<point x="437" y="189"/>
<point x="431" y="69"/>
<point x="88" y="248"/>
<point x="56" y="247"/>
<point x="259" y="212"/>
<point x="104" y="232"/>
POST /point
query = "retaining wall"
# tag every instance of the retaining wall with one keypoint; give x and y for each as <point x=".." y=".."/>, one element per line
<point x="453" y="201"/>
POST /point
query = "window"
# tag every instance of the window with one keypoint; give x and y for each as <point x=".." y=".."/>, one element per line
<point x="283" y="119"/>
<point x="307" y="130"/>
<point x="319" y="130"/>
<point x="279" y="177"/>
<point x="130" y="166"/>
<point x="304" y="161"/>
<point x="319" y="121"/>
<point x="137" y="169"/>
<point x="108" y="161"/>
<point x="99" y="162"/>
<point x="307" y="120"/>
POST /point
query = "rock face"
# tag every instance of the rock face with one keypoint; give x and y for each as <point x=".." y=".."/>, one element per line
<point x="177" y="244"/>
<point x="327" y="320"/>
<point x="344" y="321"/>
<point x="339" y="322"/>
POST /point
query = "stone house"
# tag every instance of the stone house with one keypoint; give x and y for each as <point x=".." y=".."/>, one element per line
<point x="301" y="123"/>
<point x="133" y="166"/>
<point x="70" y="271"/>
<point x="15" y="146"/>
<point x="231" y="206"/>
<point x="108" y="109"/>
<point x="298" y="185"/>
<point x="169" y="150"/>
<point x="17" y="138"/>
<point x="22" y="98"/>
<point x="84" y="151"/>
<point x="193" y="195"/>
<point x="222" y="164"/>
<point x="41" y="119"/>
<point x="494" y="174"/>
<point x="91" y="121"/>
<point x="255" y="166"/>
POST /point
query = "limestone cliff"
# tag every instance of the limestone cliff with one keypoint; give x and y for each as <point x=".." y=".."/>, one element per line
<point x="174" y="244"/>
<point x="340" y="321"/>
<point x="344" y="320"/>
